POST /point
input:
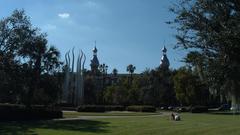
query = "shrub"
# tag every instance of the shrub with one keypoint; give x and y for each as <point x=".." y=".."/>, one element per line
<point x="199" y="109"/>
<point x="114" y="108"/>
<point x="65" y="105"/>
<point x="141" y="108"/>
<point x="91" y="108"/>
<point x="68" y="108"/>
<point x="19" y="112"/>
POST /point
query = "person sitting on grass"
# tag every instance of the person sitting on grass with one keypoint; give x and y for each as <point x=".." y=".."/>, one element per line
<point x="175" y="117"/>
<point x="172" y="116"/>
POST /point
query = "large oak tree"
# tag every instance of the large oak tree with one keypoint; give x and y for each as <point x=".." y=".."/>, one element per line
<point x="24" y="57"/>
<point x="212" y="28"/>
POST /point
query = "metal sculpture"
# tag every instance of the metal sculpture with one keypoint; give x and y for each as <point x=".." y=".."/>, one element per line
<point x="73" y="87"/>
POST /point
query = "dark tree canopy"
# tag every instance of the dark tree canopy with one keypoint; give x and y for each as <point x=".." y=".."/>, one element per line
<point x="212" y="29"/>
<point x="25" y="58"/>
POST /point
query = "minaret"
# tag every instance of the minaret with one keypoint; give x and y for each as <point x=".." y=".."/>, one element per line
<point x="94" y="62"/>
<point x="164" y="60"/>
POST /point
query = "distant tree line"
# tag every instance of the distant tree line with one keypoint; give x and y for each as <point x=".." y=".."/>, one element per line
<point x="159" y="87"/>
<point x="152" y="87"/>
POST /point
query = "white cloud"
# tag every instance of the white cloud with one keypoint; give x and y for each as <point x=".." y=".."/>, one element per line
<point x="64" y="15"/>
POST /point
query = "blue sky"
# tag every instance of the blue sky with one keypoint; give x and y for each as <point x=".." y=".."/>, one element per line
<point x="126" y="31"/>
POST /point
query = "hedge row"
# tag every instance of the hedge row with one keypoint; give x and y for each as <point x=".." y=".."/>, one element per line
<point x="18" y="112"/>
<point x="91" y="108"/>
<point x="115" y="108"/>
<point x="141" y="108"/>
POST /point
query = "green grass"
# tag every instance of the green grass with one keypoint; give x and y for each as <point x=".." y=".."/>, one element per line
<point x="191" y="124"/>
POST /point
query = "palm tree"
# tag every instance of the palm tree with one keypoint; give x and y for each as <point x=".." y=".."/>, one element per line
<point x="131" y="69"/>
<point x="51" y="59"/>
<point x="41" y="59"/>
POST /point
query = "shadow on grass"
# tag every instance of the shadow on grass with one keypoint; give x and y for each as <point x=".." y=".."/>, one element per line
<point x="27" y="128"/>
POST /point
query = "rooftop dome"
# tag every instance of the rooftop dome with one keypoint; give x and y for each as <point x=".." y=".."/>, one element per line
<point x="164" y="49"/>
<point x="164" y="60"/>
<point x="95" y="49"/>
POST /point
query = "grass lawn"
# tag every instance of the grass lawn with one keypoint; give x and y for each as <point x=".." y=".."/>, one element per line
<point x="192" y="124"/>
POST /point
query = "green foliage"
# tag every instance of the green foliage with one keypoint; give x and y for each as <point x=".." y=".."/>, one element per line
<point x="90" y="90"/>
<point x="161" y="89"/>
<point x="130" y="69"/>
<point x="91" y="108"/>
<point x="211" y="28"/>
<point x="153" y="87"/>
<point x="189" y="89"/>
<point x="24" y="58"/>
<point x="19" y="112"/>
<point x="116" y="95"/>
<point x="114" y="108"/>
<point x="49" y="90"/>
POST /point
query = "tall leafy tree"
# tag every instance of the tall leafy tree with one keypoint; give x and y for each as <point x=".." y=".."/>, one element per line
<point x="211" y="27"/>
<point x="14" y="33"/>
<point x="25" y="56"/>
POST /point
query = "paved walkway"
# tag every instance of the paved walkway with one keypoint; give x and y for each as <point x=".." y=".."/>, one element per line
<point x="106" y="117"/>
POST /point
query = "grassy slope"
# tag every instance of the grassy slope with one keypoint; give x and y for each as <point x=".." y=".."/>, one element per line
<point x="192" y="124"/>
